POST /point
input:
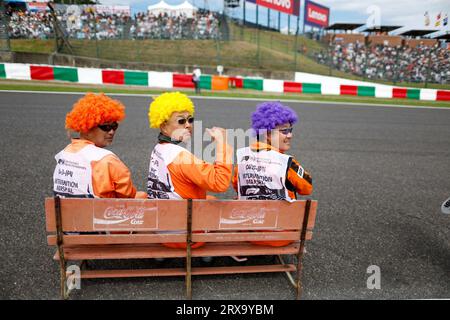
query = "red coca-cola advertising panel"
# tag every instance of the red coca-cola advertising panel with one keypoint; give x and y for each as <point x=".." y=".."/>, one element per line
<point x="286" y="6"/>
<point x="316" y="15"/>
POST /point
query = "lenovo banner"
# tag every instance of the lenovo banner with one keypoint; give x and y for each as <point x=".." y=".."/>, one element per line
<point x="286" y="6"/>
<point x="37" y="6"/>
<point x="316" y="15"/>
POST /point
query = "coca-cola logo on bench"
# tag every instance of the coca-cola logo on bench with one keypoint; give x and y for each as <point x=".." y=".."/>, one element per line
<point x="249" y="218"/>
<point x="125" y="217"/>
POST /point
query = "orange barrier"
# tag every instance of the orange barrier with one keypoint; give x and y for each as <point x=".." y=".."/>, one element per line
<point x="219" y="83"/>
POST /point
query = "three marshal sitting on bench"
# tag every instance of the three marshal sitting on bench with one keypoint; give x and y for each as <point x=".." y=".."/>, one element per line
<point x="263" y="172"/>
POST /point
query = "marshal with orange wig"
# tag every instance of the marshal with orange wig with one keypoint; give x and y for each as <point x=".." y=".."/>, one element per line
<point x="93" y="110"/>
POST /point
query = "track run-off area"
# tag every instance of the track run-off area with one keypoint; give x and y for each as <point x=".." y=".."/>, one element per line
<point x="380" y="176"/>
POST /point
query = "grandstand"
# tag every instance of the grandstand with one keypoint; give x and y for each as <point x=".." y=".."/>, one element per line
<point x="386" y="52"/>
<point x="87" y="24"/>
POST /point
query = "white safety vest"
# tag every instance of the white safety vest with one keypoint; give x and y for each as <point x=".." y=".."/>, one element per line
<point x="262" y="175"/>
<point x="159" y="183"/>
<point x="73" y="173"/>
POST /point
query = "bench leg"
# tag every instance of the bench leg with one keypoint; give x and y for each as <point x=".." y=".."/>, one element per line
<point x="296" y="283"/>
<point x="302" y="248"/>
<point x="299" y="256"/>
<point x="188" y="276"/>
<point x="62" y="260"/>
<point x="63" y="280"/>
<point x="188" y="251"/>
<point x="299" y="273"/>
<point x="288" y="274"/>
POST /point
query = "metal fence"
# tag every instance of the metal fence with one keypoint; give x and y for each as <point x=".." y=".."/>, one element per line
<point x="4" y="21"/>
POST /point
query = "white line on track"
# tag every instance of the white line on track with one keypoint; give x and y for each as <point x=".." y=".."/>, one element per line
<point x="350" y="104"/>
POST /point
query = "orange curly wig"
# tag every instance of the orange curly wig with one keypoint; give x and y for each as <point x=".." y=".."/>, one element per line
<point x="92" y="110"/>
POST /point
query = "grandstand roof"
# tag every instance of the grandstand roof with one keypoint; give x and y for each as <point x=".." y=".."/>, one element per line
<point x="443" y="37"/>
<point x="440" y="35"/>
<point x="344" y="26"/>
<point x="411" y="32"/>
<point x="380" y="29"/>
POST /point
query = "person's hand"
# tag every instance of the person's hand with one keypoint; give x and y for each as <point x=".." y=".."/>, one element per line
<point x="182" y="135"/>
<point x="141" y="195"/>
<point x="217" y="134"/>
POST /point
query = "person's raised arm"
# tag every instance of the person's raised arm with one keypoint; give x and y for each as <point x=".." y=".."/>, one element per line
<point x="214" y="177"/>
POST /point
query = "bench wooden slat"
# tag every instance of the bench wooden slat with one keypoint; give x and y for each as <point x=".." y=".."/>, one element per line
<point x="247" y="236"/>
<point x="117" y="239"/>
<point x="90" y="215"/>
<point x="170" y="238"/>
<point x="158" y="251"/>
<point x="132" y="273"/>
<point x="249" y="215"/>
<point x="243" y="269"/>
<point x="169" y="272"/>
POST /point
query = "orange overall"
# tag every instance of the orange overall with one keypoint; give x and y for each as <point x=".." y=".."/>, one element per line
<point x="110" y="176"/>
<point x="192" y="177"/>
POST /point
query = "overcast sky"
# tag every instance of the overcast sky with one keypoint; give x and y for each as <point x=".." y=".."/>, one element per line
<point x="400" y="12"/>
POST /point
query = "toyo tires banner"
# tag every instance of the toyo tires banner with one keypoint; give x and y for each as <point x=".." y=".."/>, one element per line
<point x="316" y="15"/>
<point x="286" y="6"/>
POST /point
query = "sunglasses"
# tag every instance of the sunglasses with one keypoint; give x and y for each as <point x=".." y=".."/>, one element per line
<point x="108" y="127"/>
<point x="183" y="121"/>
<point x="286" y="131"/>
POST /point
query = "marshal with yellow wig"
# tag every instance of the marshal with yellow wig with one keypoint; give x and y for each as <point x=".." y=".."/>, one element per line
<point x="174" y="172"/>
<point x="166" y="104"/>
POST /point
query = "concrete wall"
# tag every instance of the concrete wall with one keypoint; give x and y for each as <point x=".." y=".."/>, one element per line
<point x="7" y="56"/>
<point x="416" y="42"/>
<point x="389" y="40"/>
<point x="344" y="38"/>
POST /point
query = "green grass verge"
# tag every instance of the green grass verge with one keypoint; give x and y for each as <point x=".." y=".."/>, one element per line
<point x="234" y="93"/>
<point x="276" y="52"/>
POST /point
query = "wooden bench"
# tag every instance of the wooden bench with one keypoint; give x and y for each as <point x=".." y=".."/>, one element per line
<point x="135" y="229"/>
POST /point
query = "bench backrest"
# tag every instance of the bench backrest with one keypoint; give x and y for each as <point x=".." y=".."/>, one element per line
<point x="158" y="221"/>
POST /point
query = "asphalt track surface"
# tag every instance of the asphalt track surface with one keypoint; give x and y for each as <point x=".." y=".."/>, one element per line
<point x="380" y="176"/>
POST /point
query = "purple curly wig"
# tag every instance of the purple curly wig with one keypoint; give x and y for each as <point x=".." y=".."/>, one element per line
<point x="268" y="115"/>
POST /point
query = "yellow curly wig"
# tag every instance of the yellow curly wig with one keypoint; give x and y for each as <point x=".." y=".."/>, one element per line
<point x="92" y="110"/>
<point x="164" y="105"/>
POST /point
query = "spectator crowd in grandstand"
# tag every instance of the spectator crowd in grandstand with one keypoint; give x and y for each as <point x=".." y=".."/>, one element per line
<point x="204" y="26"/>
<point x="84" y="24"/>
<point x="390" y="63"/>
<point x="30" y="25"/>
